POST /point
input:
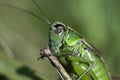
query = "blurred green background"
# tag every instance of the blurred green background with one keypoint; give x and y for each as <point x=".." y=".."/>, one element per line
<point x="23" y="35"/>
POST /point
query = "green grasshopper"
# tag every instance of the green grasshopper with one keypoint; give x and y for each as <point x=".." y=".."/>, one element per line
<point x="79" y="58"/>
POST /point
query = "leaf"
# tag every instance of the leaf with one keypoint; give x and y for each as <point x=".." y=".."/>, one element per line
<point x="12" y="69"/>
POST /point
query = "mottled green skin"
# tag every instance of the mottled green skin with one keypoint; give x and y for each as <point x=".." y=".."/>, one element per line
<point x="79" y="58"/>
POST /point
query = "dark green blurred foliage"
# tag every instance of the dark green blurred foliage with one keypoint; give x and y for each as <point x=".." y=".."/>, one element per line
<point x="22" y="35"/>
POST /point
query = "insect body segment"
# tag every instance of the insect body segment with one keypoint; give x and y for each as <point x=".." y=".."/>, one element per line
<point x="81" y="60"/>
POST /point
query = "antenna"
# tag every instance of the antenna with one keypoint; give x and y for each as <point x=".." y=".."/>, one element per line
<point x="41" y="12"/>
<point x="28" y="12"/>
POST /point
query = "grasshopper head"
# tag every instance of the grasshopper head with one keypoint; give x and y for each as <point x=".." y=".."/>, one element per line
<point x="56" y="35"/>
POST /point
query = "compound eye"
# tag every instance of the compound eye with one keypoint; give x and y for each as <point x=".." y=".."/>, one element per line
<point x="58" y="30"/>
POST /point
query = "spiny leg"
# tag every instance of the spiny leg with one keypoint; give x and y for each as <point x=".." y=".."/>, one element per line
<point x="82" y="60"/>
<point x="90" y="66"/>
